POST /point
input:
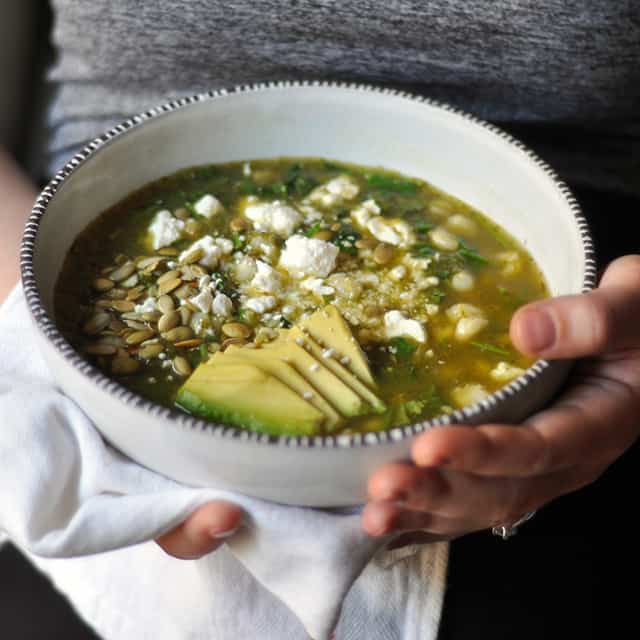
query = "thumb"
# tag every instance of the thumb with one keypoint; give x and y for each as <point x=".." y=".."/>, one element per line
<point x="606" y="319"/>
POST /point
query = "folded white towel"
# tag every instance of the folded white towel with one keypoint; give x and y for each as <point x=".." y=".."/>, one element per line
<point x="65" y="493"/>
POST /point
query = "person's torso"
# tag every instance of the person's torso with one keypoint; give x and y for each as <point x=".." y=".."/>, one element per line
<point x="556" y="62"/>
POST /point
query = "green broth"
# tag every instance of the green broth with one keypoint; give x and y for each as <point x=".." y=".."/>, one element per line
<point x="417" y="380"/>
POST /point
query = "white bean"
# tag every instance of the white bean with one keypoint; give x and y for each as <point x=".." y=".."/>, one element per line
<point x="462" y="224"/>
<point x="466" y="328"/>
<point x="462" y="281"/>
<point x="443" y="240"/>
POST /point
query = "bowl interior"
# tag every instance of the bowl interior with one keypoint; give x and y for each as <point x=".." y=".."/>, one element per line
<point x="452" y="151"/>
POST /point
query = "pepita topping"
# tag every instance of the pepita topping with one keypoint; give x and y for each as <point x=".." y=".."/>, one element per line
<point x="231" y="256"/>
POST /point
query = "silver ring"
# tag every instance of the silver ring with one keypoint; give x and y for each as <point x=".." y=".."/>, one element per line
<point x="508" y="531"/>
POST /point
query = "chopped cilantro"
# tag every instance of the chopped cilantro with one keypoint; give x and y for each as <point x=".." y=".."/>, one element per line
<point x="389" y="183"/>
<point x="484" y="346"/>
<point x="312" y="230"/>
<point x="470" y="255"/>
<point x="436" y="296"/>
<point x="284" y="323"/>
<point x="403" y="347"/>
<point x="423" y="250"/>
<point x="422" y="226"/>
<point x="346" y="240"/>
<point x="204" y="352"/>
<point x="238" y="241"/>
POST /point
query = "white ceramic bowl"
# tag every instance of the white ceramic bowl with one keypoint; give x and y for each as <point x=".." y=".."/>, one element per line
<point x="455" y="151"/>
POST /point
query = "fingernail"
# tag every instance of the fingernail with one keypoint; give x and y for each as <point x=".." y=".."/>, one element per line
<point x="539" y="331"/>
<point x="221" y="535"/>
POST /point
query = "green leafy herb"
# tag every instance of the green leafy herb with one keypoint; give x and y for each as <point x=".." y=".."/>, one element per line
<point x="389" y="183"/>
<point x="296" y="182"/>
<point x="285" y="324"/>
<point x="423" y="250"/>
<point x="490" y="348"/>
<point x="204" y="352"/>
<point x="346" y="240"/>
<point x="511" y="298"/>
<point x="436" y="296"/>
<point x="312" y="230"/>
<point x="238" y="241"/>
<point x="403" y="347"/>
<point x="470" y="255"/>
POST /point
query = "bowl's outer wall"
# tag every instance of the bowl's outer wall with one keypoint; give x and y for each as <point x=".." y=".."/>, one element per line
<point x="355" y="125"/>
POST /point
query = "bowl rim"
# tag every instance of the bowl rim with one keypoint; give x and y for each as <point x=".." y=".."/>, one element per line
<point x="46" y="325"/>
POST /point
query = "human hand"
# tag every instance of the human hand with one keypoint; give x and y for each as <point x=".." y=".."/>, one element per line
<point x="203" y="531"/>
<point x="464" y="479"/>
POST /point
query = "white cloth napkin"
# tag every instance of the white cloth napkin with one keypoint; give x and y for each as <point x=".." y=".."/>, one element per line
<point x="64" y="493"/>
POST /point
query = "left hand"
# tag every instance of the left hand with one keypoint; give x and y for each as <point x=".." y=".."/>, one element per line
<point x="463" y="479"/>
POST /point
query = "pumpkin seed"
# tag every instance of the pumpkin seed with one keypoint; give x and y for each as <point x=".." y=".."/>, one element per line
<point x="383" y="253"/>
<point x="135" y="293"/>
<point x="188" y="344"/>
<point x="138" y="326"/>
<point x="229" y="341"/>
<point x="168" y="321"/>
<point x="181" y="213"/>
<point x="139" y="336"/>
<point x="185" y="315"/>
<point x="114" y="341"/>
<point x="178" y="334"/>
<point x="151" y="316"/>
<point x="192" y="256"/>
<point x="193" y="227"/>
<point x="97" y="323"/>
<point x="238" y="224"/>
<point x="181" y="366"/>
<point x="169" y="275"/>
<point x="123" y="305"/>
<point x="130" y="282"/>
<point x="168" y="251"/>
<point x="213" y="347"/>
<point x="323" y="235"/>
<point x="146" y="261"/>
<point x="103" y="304"/>
<point x="117" y="326"/>
<point x="124" y="365"/>
<point x="169" y="285"/>
<point x="116" y="294"/>
<point x="99" y="349"/>
<point x="150" y="351"/>
<point x="166" y="304"/>
<point x="236" y="330"/>
<point x="366" y="243"/>
<point x="123" y="271"/>
<point x="184" y="291"/>
<point x="103" y="284"/>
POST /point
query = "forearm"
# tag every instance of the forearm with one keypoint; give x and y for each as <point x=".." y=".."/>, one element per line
<point x="17" y="194"/>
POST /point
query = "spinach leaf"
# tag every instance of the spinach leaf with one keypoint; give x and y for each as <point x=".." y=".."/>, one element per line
<point x="470" y="255"/>
<point x="490" y="348"/>
<point x="389" y="183"/>
<point x="403" y="347"/>
<point x="346" y="239"/>
<point x="312" y="230"/>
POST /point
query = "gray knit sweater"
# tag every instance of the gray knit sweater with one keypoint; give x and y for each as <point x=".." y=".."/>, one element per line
<point x="565" y="74"/>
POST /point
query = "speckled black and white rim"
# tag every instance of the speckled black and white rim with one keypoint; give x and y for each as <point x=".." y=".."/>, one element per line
<point x="120" y="394"/>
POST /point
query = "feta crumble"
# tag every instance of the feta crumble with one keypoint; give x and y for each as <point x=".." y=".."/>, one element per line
<point x="317" y="286"/>
<point x="261" y="304"/>
<point x="148" y="306"/>
<point x="222" y="305"/>
<point x="273" y="216"/>
<point x="165" y="229"/>
<point x="203" y="301"/>
<point x="308" y="257"/>
<point x="398" y="325"/>
<point x="212" y="249"/>
<point x="267" y="279"/>
<point x="208" y="206"/>
<point x="335" y="191"/>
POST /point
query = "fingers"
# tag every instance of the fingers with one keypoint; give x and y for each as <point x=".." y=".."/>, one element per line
<point x="203" y="531"/>
<point x="469" y="503"/>
<point x="584" y="325"/>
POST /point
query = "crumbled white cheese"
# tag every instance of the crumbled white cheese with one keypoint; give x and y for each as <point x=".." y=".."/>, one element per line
<point x="212" y="249"/>
<point x="503" y="372"/>
<point x="468" y="394"/>
<point x="308" y="256"/>
<point x="398" y="272"/>
<point x="246" y="169"/>
<point x="208" y="206"/>
<point x="466" y="328"/>
<point x="317" y="286"/>
<point x="463" y="310"/>
<point x="244" y="268"/>
<point x="398" y="325"/>
<point x="203" y="300"/>
<point x="273" y="216"/>
<point x="363" y="213"/>
<point x="267" y="279"/>
<point x="335" y="191"/>
<point x="443" y="240"/>
<point x="462" y="281"/>
<point x="148" y="306"/>
<point x="261" y="304"/>
<point x="165" y="229"/>
<point x="222" y="305"/>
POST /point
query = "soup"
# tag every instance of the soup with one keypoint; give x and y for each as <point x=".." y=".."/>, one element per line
<point x="298" y="296"/>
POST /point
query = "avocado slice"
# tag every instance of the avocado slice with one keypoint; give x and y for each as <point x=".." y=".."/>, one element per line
<point x="285" y="373"/>
<point x="247" y="396"/>
<point x="336" y="392"/>
<point x="335" y="367"/>
<point x="328" y="328"/>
